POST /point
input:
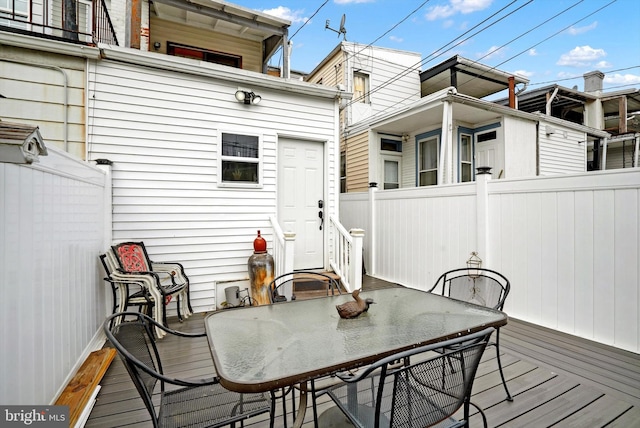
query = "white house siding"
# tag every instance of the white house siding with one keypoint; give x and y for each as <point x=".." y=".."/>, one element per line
<point x="520" y="147"/>
<point x="34" y="86"/>
<point x="52" y="227"/>
<point x="393" y="79"/>
<point x="561" y="150"/>
<point x="161" y="129"/>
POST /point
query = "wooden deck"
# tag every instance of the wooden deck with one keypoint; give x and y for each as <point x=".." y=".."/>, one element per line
<point x="556" y="380"/>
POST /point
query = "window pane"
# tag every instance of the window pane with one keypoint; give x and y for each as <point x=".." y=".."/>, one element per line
<point x="465" y="148"/>
<point x="429" y="154"/>
<point x="239" y="171"/>
<point x="390" y="145"/>
<point x="466" y="172"/>
<point x="391" y="176"/>
<point x="428" y="178"/>
<point x="245" y="146"/>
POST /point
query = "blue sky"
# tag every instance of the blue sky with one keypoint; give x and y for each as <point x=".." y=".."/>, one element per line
<point x="548" y="41"/>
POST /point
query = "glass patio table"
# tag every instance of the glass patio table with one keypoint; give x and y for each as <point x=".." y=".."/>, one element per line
<point x="265" y="348"/>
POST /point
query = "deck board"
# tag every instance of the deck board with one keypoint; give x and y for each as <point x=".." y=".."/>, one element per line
<point x="556" y="380"/>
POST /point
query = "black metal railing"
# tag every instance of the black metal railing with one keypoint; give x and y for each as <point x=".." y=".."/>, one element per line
<point x="66" y="20"/>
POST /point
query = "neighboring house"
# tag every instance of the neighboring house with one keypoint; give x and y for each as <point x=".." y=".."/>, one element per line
<point x="445" y="135"/>
<point x="380" y="79"/>
<point x="617" y="112"/>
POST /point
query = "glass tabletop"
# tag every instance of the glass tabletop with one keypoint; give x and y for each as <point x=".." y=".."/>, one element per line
<point x="266" y="347"/>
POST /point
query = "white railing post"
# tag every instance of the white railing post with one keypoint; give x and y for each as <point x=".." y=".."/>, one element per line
<point x="483" y="176"/>
<point x="373" y="188"/>
<point x="289" y="243"/>
<point x="355" y="273"/>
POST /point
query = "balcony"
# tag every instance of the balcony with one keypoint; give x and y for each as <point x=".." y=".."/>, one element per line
<point x="76" y="21"/>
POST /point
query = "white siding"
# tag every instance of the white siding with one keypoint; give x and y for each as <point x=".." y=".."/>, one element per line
<point x="519" y="147"/>
<point x="569" y="244"/>
<point x="562" y="150"/>
<point x="162" y="129"/>
<point x="52" y="228"/>
<point x="34" y="87"/>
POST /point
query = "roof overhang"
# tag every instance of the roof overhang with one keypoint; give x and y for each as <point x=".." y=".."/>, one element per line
<point x="468" y="77"/>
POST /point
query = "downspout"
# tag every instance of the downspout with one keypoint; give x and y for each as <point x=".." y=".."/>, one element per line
<point x="446" y="140"/>
<point x="512" y="92"/>
<point x="604" y="154"/>
<point x="635" y="161"/>
<point x="66" y="94"/>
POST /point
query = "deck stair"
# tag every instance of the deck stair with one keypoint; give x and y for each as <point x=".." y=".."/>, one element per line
<point x="306" y="287"/>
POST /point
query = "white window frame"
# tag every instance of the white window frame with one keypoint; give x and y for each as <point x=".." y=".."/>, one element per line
<point x="240" y="159"/>
<point x="435" y="138"/>
<point x="461" y="161"/>
<point x="389" y="157"/>
<point x="361" y="96"/>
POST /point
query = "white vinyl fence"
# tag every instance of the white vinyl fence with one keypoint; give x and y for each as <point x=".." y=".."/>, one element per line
<point x="53" y="217"/>
<point x="570" y="244"/>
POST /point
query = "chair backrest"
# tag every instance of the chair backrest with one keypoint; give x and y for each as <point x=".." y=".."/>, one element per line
<point x="481" y="286"/>
<point x="286" y="280"/>
<point x="132" y="257"/>
<point x="431" y="388"/>
<point x="132" y="336"/>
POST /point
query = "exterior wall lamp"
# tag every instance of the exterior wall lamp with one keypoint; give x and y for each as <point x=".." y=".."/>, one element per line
<point x="247" y="97"/>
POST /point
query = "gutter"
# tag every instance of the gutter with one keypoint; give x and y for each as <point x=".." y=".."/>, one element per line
<point x="48" y="45"/>
<point x="218" y="72"/>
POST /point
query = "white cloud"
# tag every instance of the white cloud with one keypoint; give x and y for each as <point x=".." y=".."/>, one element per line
<point x="456" y="6"/>
<point x="448" y="23"/>
<point x="524" y="73"/>
<point x="581" y="56"/>
<point x="533" y="52"/>
<point x="492" y="52"/>
<point x="286" y="13"/>
<point x="603" y="64"/>
<point x="574" y="31"/>
<point x="396" y="39"/>
<point x="622" y="79"/>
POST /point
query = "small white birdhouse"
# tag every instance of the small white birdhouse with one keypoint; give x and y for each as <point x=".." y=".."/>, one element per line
<point x="20" y="143"/>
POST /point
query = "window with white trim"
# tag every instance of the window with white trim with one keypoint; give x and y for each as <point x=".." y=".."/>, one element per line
<point x="240" y="158"/>
<point x="466" y="158"/>
<point x="428" y="162"/>
<point x="10" y="7"/>
<point x="360" y="88"/>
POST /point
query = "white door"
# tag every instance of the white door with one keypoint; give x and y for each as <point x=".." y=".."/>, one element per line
<point x="301" y="198"/>
<point x="489" y="153"/>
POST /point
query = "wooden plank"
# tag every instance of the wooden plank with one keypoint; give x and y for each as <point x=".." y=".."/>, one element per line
<point x="78" y="391"/>
<point x="603" y="411"/>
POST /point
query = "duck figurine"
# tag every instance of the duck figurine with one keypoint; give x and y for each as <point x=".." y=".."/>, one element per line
<point x="354" y="309"/>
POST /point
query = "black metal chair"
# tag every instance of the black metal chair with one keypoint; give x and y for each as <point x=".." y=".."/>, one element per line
<point x="288" y="279"/>
<point x="198" y="402"/>
<point x="421" y="393"/>
<point x="481" y="286"/>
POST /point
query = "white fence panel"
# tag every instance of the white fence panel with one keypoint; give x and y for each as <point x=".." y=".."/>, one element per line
<point x="52" y="227"/>
<point x="570" y="245"/>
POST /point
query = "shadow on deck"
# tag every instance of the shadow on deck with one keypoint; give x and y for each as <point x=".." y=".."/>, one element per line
<point x="556" y="380"/>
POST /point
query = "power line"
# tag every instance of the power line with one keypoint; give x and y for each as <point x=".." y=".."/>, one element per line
<point x="310" y="18"/>
<point x="580" y="77"/>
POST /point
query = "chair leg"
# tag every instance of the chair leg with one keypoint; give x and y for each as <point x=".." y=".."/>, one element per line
<point x="504" y="382"/>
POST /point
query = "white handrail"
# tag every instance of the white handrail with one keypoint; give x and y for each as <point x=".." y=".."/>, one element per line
<point x="283" y="243"/>
<point x="345" y="254"/>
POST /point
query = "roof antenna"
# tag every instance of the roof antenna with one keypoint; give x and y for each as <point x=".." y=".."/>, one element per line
<point x="342" y="30"/>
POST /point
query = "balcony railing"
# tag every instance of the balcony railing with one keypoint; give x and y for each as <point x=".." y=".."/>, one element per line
<point x="76" y="21"/>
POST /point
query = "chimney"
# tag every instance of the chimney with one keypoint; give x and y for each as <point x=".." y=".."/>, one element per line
<point x="593" y="81"/>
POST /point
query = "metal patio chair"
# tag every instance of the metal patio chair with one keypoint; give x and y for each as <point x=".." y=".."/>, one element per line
<point x="126" y="292"/>
<point x="480" y="286"/>
<point x="167" y="280"/>
<point x="285" y="283"/>
<point x="420" y="393"/>
<point x="197" y="402"/>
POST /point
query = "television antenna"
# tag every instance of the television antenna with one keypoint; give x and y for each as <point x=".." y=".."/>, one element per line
<point x="342" y="30"/>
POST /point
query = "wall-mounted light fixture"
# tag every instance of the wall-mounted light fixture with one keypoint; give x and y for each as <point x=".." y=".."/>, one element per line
<point x="247" y="97"/>
<point x="156" y="45"/>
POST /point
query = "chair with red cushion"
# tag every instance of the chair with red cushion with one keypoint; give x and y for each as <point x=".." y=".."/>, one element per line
<point x="166" y="280"/>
